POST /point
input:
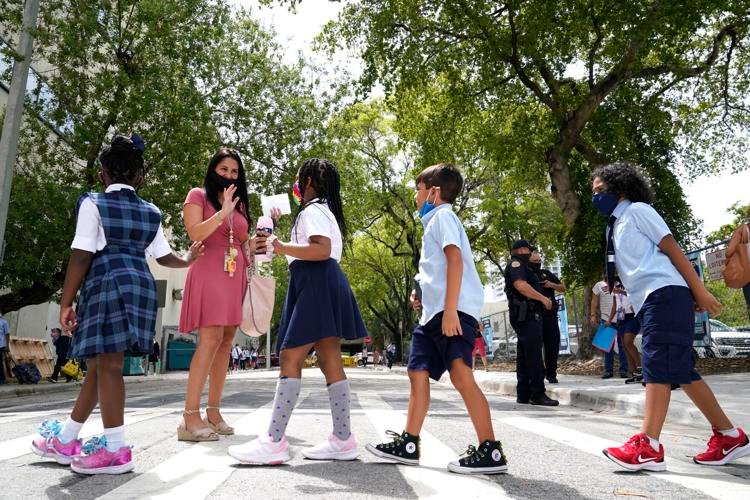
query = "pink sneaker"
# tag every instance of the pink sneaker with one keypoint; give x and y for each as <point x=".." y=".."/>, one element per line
<point x="48" y="444"/>
<point x="333" y="449"/>
<point x="96" y="459"/>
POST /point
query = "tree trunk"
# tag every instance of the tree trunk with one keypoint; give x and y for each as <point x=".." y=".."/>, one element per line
<point x="586" y="332"/>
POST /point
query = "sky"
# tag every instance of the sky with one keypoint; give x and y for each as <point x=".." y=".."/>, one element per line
<point x="709" y="196"/>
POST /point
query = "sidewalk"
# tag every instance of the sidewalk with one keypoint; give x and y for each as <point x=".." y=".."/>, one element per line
<point x="613" y="395"/>
<point x="8" y="391"/>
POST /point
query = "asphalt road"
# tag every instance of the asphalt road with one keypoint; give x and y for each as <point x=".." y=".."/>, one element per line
<point x="553" y="453"/>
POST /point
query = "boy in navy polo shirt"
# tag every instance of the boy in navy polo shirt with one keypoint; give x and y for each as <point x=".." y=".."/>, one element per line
<point x="452" y="297"/>
<point x="665" y="292"/>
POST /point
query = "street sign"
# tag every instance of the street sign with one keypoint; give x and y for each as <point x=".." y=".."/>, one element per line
<point x="702" y="337"/>
<point x="715" y="262"/>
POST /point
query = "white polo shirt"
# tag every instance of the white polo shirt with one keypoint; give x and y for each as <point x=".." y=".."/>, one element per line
<point x="444" y="228"/>
<point x="642" y="266"/>
<point x="90" y="232"/>
<point x="317" y="220"/>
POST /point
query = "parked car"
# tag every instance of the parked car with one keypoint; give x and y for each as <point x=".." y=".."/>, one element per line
<point x="728" y="342"/>
<point x="262" y="360"/>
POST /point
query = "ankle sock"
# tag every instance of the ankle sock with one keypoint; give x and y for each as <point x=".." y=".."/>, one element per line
<point x="287" y="392"/>
<point x="70" y="430"/>
<point x="339" y="396"/>
<point x="733" y="432"/>
<point x="115" y="438"/>
<point x="654" y="443"/>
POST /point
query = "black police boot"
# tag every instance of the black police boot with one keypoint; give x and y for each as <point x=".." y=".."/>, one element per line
<point x="487" y="459"/>
<point x="403" y="449"/>
<point x="544" y="400"/>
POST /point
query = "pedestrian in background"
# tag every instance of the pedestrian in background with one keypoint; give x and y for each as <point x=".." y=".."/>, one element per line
<point x="480" y="349"/>
<point x="629" y="328"/>
<point x="4" y="342"/>
<point x="116" y="309"/>
<point x="525" y="304"/>
<point x="61" y="341"/>
<point x="154" y="356"/>
<point x="603" y="300"/>
<point x="551" y="286"/>
<point x="390" y="354"/>
<point x="666" y="292"/>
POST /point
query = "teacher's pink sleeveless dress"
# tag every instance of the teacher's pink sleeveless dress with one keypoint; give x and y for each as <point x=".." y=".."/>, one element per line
<point x="211" y="297"/>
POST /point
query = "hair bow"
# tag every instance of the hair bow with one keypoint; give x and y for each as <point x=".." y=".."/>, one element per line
<point x="138" y="142"/>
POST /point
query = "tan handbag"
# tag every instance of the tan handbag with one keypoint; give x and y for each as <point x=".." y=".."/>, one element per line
<point x="736" y="272"/>
<point x="257" y="305"/>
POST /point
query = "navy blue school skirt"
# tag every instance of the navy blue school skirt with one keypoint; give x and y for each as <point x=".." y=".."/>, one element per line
<point x="319" y="303"/>
<point x="668" y="325"/>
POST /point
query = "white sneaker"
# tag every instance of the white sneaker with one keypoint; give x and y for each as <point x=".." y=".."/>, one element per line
<point x="261" y="451"/>
<point x="333" y="449"/>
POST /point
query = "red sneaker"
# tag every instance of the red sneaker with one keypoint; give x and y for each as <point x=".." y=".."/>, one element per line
<point x="637" y="454"/>
<point x="723" y="449"/>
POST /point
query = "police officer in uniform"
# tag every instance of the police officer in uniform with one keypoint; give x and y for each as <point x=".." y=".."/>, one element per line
<point x="551" y="285"/>
<point x="526" y="302"/>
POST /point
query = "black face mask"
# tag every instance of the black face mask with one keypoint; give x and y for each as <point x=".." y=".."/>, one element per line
<point x="536" y="266"/>
<point x="220" y="182"/>
<point x="523" y="257"/>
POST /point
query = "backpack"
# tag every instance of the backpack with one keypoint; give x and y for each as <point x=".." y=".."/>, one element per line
<point x="26" y="373"/>
<point x="736" y="272"/>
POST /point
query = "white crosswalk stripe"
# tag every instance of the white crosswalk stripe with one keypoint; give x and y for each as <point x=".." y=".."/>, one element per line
<point x="431" y="479"/>
<point x="20" y="446"/>
<point x="199" y="470"/>
<point x="709" y="481"/>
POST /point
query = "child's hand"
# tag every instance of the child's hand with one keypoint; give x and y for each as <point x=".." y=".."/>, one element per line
<point x="195" y="251"/>
<point x="277" y="245"/>
<point x="275" y="215"/>
<point x="451" y="324"/>
<point x="68" y="320"/>
<point x="705" y="302"/>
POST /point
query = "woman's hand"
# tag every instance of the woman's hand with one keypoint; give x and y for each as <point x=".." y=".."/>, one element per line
<point x="68" y="320"/>
<point x="229" y="201"/>
<point x="196" y="250"/>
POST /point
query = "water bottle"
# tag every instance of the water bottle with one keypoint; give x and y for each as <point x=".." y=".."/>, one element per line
<point x="265" y="226"/>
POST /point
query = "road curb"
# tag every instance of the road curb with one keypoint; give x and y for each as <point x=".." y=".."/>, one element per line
<point x="21" y="390"/>
<point x="590" y="399"/>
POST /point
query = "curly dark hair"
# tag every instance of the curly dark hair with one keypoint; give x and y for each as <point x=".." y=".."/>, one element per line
<point x="626" y="180"/>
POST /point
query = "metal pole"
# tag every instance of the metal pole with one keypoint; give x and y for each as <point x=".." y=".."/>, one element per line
<point x="14" y="112"/>
<point x="268" y="350"/>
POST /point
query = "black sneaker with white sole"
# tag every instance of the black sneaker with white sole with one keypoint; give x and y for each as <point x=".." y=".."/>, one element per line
<point x="404" y="448"/>
<point x="487" y="459"/>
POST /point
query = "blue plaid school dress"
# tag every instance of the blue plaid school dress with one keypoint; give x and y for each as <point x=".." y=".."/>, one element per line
<point x="117" y="306"/>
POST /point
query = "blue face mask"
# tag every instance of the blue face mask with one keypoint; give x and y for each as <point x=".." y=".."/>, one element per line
<point x="605" y="202"/>
<point x="426" y="208"/>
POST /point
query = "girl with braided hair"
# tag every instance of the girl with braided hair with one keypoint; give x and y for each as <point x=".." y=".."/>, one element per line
<point x="116" y="311"/>
<point x="319" y="311"/>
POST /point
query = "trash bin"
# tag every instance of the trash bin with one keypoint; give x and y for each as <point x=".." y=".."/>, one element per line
<point x="133" y="365"/>
<point x="179" y="354"/>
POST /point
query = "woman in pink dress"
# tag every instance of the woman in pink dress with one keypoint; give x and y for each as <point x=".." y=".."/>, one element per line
<point x="217" y="215"/>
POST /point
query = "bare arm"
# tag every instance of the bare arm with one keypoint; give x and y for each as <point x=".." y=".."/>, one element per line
<point x="172" y="260"/>
<point x="78" y="266"/>
<point x="594" y="308"/>
<point x="558" y="287"/>
<point x="317" y="248"/>
<point x="451" y="325"/>
<point x="703" y="298"/>
<point x="612" y="312"/>
<point x="528" y="291"/>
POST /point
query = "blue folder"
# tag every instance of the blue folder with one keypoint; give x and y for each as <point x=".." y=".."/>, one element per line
<point x="604" y="339"/>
